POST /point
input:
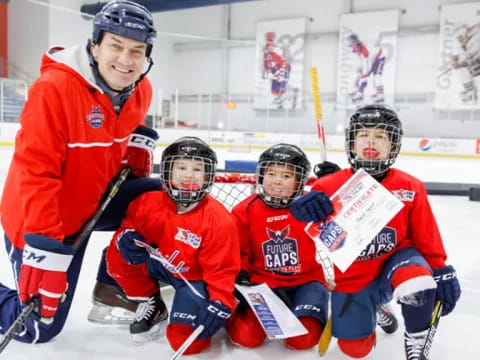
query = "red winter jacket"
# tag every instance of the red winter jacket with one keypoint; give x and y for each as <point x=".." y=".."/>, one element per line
<point x="69" y="147"/>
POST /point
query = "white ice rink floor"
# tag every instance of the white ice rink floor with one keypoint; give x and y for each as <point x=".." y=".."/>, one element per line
<point x="455" y="339"/>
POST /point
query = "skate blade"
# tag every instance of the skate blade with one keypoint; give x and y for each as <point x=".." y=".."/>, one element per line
<point x="155" y="333"/>
<point x="110" y="315"/>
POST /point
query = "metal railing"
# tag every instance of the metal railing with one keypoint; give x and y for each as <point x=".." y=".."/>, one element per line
<point x="13" y="94"/>
<point x="237" y="112"/>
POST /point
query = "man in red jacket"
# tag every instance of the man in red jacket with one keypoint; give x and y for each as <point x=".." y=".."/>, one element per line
<point x="83" y="121"/>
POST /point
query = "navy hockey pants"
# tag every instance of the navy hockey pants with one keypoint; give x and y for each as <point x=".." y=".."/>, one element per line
<point x="354" y="315"/>
<point x="10" y="306"/>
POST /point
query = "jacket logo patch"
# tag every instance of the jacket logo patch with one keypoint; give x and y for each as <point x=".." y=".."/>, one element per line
<point x="404" y="195"/>
<point x="189" y="238"/>
<point x="95" y="118"/>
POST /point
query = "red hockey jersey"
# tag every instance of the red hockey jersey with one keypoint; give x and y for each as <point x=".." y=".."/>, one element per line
<point x="274" y="246"/>
<point x="414" y="226"/>
<point x="203" y="242"/>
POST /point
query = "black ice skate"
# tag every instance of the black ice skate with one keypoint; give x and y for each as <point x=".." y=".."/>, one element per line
<point x="386" y="319"/>
<point x="146" y="326"/>
<point x="111" y="306"/>
<point x="414" y="343"/>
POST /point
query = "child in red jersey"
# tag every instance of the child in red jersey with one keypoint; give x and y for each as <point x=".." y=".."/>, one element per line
<point x="276" y="250"/>
<point x="406" y="260"/>
<point x="198" y="238"/>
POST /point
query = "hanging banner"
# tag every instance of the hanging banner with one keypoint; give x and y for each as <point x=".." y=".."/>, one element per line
<point x="279" y="64"/>
<point x="458" y="73"/>
<point x="367" y="51"/>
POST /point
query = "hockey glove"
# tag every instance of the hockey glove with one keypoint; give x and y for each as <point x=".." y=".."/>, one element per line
<point x="140" y="151"/>
<point x="212" y="315"/>
<point x="448" y="287"/>
<point x="313" y="206"/>
<point x="44" y="272"/>
<point x="325" y="168"/>
<point x="282" y="294"/>
<point x="131" y="252"/>
<point x="243" y="278"/>
<point x="156" y="270"/>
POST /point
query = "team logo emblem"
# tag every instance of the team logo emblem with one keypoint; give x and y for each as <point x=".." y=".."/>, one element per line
<point x="280" y="252"/>
<point x="189" y="238"/>
<point x="332" y="235"/>
<point x="95" y="118"/>
<point x="383" y="243"/>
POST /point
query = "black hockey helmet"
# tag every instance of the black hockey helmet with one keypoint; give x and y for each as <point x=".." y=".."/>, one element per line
<point x="125" y="18"/>
<point x="380" y="117"/>
<point x="283" y="154"/>
<point x="188" y="147"/>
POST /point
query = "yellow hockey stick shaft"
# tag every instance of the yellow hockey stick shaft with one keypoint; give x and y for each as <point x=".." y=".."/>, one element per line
<point x="325" y="338"/>
<point x="318" y="112"/>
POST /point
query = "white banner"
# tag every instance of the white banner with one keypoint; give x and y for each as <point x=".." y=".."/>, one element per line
<point x="279" y="64"/>
<point x="367" y="51"/>
<point x="458" y="74"/>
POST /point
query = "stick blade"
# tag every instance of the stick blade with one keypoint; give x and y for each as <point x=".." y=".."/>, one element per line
<point x="326" y="337"/>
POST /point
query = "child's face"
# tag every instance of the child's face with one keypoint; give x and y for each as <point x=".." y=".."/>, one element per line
<point x="188" y="174"/>
<point x="371" y="144"/>
<point x="280" y="180"/>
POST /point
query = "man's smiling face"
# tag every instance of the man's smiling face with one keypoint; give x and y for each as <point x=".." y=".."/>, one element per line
<point x="121" y="60"/>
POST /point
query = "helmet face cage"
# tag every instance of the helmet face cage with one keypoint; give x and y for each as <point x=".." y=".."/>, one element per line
<point x="190" y="191"/>
<point x="289" y="157"/>
<point x="378" y="117"/>
<point x="276" y="201"/>
<point x="195" y="152"/>
<point x="125" y="18"/>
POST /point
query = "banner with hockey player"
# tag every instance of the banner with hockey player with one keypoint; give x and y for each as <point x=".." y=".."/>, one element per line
<point x="367" y="52"/>
<point x="458" y="73"/>
<point x="279" y="64"/>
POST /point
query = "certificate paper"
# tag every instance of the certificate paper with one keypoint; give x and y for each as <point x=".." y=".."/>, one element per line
<point x="362" y="207"/>
<point x="275" y="317"/>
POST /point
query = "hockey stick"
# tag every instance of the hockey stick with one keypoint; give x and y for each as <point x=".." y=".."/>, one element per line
<point x="326" y="337"/>
<point x="444" y="72"/>
<point x="79" y="240"/>
<point x="17" y="325"/>
<point x="318" y="113"/>
<point x="437" y="312"/>
<point x="329" y="273"/>
<point x="157" y="256"/>
<point x="187" y="343"/>
<point x="322" y="257"/>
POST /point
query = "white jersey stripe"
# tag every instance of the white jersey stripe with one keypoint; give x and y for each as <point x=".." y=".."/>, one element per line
<point x="97" y="144"/>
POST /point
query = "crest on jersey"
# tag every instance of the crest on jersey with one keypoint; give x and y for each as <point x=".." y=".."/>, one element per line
<point x="189" y="238"/>
<point x="95" y="118"/>
<point x="332" y="235"/>
<point x="383" y="243"/>
<point x="404" y="195"/>
<point x="280" y="253"/>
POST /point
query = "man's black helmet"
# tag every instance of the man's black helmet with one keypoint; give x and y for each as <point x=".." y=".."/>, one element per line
<point x="125" y="18"/>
